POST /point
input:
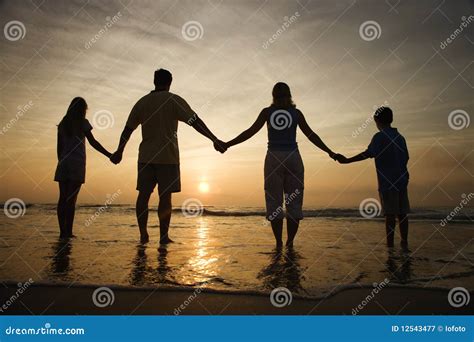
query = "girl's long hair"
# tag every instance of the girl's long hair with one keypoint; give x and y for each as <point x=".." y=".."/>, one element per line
<point x="73" y="122"/>
<point x="282" y="96"/>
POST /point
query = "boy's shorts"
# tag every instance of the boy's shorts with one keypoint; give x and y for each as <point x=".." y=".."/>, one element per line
<point x="395" y="202"/>
<point x="166" y="176"/>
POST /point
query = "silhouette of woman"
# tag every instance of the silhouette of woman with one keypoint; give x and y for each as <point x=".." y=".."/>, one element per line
<point x="284" y="170"/>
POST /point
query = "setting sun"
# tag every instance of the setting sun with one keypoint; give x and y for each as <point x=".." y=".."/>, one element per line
<point x="204" y="187"/>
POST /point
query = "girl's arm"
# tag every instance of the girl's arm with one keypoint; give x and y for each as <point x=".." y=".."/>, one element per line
<point x="250" y="132"/>
<point x="356" y="158"/>
<point x="312" y="136"/>
<point x="59" y="147"/>
<point x="95" y="144"/>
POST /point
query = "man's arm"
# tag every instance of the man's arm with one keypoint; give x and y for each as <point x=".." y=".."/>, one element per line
<point x="124" y="137"/>
<point x="201" y="127"/>
<point x="312" y="136"/>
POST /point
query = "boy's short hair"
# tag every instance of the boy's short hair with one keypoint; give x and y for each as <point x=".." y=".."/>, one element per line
<point x="383" y="115"/>
<point x="163" y="78"/>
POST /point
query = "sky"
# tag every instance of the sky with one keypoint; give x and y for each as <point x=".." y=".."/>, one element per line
<point x="225" y="57"/>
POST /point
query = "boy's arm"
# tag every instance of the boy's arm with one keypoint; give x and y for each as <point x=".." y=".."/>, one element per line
<point x="356" y="158"/>
<point x="95" y="144"/>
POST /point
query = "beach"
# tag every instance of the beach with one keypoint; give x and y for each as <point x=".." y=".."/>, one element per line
<point x="224" y="262"/>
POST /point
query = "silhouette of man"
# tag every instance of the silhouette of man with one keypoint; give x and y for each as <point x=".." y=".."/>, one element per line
<point x="158" y="114"/>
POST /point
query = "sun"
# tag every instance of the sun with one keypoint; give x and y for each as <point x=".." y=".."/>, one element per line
<point x="203" y="187"/>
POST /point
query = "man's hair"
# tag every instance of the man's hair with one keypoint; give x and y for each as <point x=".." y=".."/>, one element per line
<point x="383" y="115"/>
<point x="163" y="78"/>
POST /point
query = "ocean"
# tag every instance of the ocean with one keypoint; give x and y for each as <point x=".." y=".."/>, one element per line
<point x="232" y="249"/>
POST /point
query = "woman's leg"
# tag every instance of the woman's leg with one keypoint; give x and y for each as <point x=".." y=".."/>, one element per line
<point x="61" y="209"/>
<point x="274" y="195"/>
<point x="73" y="189"/>
<point x="294" y="189"/>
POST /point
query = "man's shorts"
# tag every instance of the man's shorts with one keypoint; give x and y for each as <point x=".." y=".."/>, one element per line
<point x="395" y="202"/>
<point x="166" y="176"/>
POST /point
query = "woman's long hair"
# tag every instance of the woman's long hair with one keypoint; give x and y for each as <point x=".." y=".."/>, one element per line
<point x="73" y="122"/>
<point x="282" y="96"/>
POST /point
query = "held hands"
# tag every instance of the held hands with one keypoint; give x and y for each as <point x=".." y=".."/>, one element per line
<point x="339" y="158"/>
<point x="116" y="157"/>
<point x="220" y="146"/>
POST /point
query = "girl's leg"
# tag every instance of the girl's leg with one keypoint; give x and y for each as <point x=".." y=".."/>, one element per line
<point x="403" y="223"/>
<point x="390" y="222"/>
<point x="61" y="209"/>
<point x="73" y="189"/>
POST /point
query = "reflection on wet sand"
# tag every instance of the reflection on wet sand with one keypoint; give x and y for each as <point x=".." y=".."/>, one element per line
<point x="143" y="274"/>
<point x="284" y="270"/>
<point x="60" y="264"/>
<point x="399" y="266"/>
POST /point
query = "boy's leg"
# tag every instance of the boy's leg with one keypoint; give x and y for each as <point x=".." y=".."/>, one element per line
<point x="277" y="228"/>
<point x="72" y="192"/>
<point x="403" y="224"/>
<point x="141" y="210"/>
<point x="164" y="215"/>
<point x="292" y="227"/>
<point x="390" y="222"/>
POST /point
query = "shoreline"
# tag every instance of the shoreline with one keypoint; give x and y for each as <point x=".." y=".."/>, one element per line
<point x="59" y="299"/>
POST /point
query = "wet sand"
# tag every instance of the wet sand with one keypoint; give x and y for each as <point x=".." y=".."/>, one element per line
<point x="63" y="300"/>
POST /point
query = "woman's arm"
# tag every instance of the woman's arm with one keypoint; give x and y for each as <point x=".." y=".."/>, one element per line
<point x="312" y="136"/>
<point x="250" y="132"/>
<point x="95" y="144"/>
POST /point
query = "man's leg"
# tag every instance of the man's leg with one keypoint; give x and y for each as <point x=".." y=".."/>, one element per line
<point x="164" y="215"/>
<point x="403" y="224"/>
<point x="292" y="228"/>
<point x="142" y="214"/>
<point x="390" y="222"/>
<point x="277" y="228"/>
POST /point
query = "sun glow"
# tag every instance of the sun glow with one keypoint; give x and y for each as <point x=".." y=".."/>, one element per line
<point x="203" y="187"/>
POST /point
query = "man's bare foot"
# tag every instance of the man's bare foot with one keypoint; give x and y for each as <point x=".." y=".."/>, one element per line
<point x="144" y="238"/>
<point x="289" y="244"/>
<point x="166" y="241"/>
